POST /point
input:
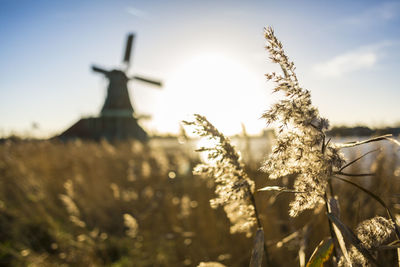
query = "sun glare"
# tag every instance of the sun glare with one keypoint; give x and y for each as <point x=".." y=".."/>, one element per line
<point x="214" y="85"/>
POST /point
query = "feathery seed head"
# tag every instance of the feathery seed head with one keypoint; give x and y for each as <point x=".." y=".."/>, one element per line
<point x="375" y="231"/>
<point x="233" y="186"/>
<point x="301" y="148"/>
<point x="372" y="233"/>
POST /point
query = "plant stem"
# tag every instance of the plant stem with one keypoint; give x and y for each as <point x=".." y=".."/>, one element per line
<point x="253" y="202"/>
<point x="333" y="235"/>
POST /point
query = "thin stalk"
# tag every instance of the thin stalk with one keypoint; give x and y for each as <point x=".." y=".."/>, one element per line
<point x="357" y="159"/>
<point x="328" y="210"/>
<point x="354" y="174"/>
<point x="333" y="235"/>
<point x="259" y="225"/>
<point x="375" y="139"/>
<point x="398" y="256"/>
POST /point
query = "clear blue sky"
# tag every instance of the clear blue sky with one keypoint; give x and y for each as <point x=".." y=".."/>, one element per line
<point x="209" y="54"/>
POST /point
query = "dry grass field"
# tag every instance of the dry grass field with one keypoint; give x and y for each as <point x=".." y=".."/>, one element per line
<point x="73" y="204"/>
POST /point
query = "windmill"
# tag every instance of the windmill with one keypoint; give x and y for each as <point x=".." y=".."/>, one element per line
<point x="117" y="102"/>
<point x="117" y="120"/>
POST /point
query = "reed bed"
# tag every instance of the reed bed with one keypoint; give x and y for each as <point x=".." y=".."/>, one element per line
<point x="84" y="203"/>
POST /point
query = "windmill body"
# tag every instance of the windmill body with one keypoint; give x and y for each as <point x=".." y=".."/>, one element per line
<point x="117" y="102"/>
<point x="117" y="119"/>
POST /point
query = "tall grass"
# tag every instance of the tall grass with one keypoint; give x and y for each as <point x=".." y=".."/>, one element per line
<point x="175" y="225"/>
<point x="303" y="152"/>
<point x="125" y="204"/>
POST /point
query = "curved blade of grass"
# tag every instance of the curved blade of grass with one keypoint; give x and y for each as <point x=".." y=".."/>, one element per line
<point x="342" y="244"/>
<point x="272" y="188"/>
<point x="321" y="254"/>
<point x="303" y="245"/>
<point x="375" y="139"/>
<point x="357" y="159"/>
<point x="332" y="208"/>
<point x="302" y="253"/>
<point x="288" y="238"/>
<point x="354" y="174"/>
<point x="396" y="227"/>
<point x="258" y="249"/>
<point x="346" y="231"/>
<point x="398" y="256"/>
<point x="278" y="189"/>
<point x="395" y="243"/>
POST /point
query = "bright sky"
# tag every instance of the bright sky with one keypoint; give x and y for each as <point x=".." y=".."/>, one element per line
<point x="209" y="54"/>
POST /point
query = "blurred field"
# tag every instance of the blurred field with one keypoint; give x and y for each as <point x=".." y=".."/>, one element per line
<point x="128" y="204"/>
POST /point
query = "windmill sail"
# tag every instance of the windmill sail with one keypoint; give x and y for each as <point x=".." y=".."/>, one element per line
<point x="100" y="70"/>
<point x="146" y="80"/>
<point x="128" y="49"/>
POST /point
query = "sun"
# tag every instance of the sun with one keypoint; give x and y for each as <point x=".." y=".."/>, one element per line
<point x="214" y="85"/>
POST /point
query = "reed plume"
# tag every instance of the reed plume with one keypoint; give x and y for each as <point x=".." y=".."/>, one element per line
<point x="234" y="189"/>
<point x="301" y="147"/>
<point x="372" y="233"/>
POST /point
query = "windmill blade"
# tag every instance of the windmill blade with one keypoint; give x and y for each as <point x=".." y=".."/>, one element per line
<point x="128" y="49"/>
<point x="142" y="79"/>
<point x="97" y="69"/>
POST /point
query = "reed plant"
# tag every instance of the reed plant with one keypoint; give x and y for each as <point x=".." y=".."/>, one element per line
<point x="303" y="152"/>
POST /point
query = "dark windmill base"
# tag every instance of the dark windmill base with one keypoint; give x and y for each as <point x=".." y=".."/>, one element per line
<point x="110" y="128"/>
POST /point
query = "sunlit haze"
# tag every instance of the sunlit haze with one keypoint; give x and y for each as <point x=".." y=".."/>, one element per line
<point x="216" y="86"/>
<point x="209" y="54"/>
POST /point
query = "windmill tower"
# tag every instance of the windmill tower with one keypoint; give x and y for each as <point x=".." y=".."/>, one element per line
<point x="117" y="120"/>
